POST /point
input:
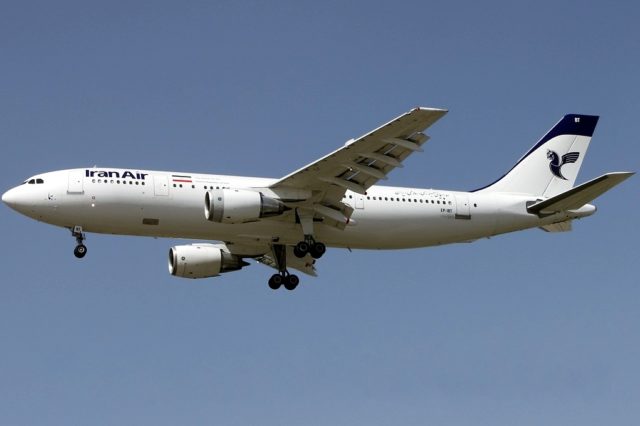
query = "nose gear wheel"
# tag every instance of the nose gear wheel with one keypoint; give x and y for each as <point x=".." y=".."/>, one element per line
<point x="81" y="250"/>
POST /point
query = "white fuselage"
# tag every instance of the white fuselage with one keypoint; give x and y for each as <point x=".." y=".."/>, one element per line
<point x="158" y="204"/>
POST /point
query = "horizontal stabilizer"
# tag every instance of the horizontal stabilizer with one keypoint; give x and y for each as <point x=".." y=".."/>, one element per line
<point x="580" y="195"/>
<point x="558" y="227"/>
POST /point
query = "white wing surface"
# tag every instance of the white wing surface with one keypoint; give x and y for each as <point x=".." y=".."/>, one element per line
<point x="364" y="161"/>
<point x="359" y="164"/>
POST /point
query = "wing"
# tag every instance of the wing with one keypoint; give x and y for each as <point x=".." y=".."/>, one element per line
<point x="570" y="157"/>
<point x="360" y="163"/>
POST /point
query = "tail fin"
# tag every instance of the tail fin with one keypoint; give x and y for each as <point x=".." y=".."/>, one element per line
<point x="551" y="166"/>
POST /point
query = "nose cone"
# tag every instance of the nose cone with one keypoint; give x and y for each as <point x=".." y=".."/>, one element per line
<point x="17" y="199"/>
<point x="10" y="197"/>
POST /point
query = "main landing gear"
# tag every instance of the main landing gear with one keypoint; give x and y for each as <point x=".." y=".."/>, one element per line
<point x="81" y="250"/>
<point x="309" y="244"/>
<point x="283" y="277"/>
<point x="290" y="281"/>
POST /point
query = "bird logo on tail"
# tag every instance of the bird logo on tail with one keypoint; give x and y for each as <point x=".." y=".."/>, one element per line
<point x="556" y="162"/>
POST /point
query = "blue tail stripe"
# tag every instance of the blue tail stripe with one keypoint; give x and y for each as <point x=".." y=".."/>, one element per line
<point x="571" y="124"/>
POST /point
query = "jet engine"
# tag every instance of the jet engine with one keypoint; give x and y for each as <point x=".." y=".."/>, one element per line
<point x="202" y="261"/>
<point x="239" y="206"/>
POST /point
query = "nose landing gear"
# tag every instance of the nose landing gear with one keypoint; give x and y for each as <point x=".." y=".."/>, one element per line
<point x="81" y="250"/>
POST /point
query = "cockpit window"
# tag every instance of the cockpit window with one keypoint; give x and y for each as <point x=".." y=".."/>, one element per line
<point x="33" y="181"/>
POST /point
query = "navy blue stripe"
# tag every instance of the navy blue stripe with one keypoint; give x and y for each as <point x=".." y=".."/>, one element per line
<point x="570" y="124"/>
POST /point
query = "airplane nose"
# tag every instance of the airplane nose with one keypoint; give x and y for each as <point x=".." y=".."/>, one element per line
<point x="15" y="199"/>
<point x="9" y="198"/>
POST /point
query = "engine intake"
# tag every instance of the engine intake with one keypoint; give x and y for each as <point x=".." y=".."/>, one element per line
<point x="239" y="206"/>
<point x="202" y="261"/>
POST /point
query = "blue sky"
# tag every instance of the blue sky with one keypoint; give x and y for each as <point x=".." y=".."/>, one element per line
<point x="530" y="328"/>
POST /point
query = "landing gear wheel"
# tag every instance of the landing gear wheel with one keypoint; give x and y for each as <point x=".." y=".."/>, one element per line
<point x="283" y="277"/>
<point x="301" y="249"/>
<point x="291" y="282"/>
<point x="275" y="281"/>
<point x="317" y="250"/>
<point x="80" y="251"/>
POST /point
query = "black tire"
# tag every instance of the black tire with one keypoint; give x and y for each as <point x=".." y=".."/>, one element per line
<point x="80" y="251"/>
<point x="301" y="249"/>
<point x="275" y="281"/>
<point x="317" y="250"/>
<point x="291" y="282"/>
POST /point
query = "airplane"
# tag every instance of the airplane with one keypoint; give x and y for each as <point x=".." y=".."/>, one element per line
<point x="288" y="223"/>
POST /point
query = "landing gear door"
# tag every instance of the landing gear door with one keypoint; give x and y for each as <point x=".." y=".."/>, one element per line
<point x="76" y="182"/>
<point x="463" y="209"/>
<point x="160" y="185"/>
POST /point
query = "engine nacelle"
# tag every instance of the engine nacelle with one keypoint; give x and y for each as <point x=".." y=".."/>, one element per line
<point x="202" y="261"/>
<point x="239" y="206"/>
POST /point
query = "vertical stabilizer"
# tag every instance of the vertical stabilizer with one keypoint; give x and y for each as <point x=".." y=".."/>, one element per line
<point x="551" y="166"/>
